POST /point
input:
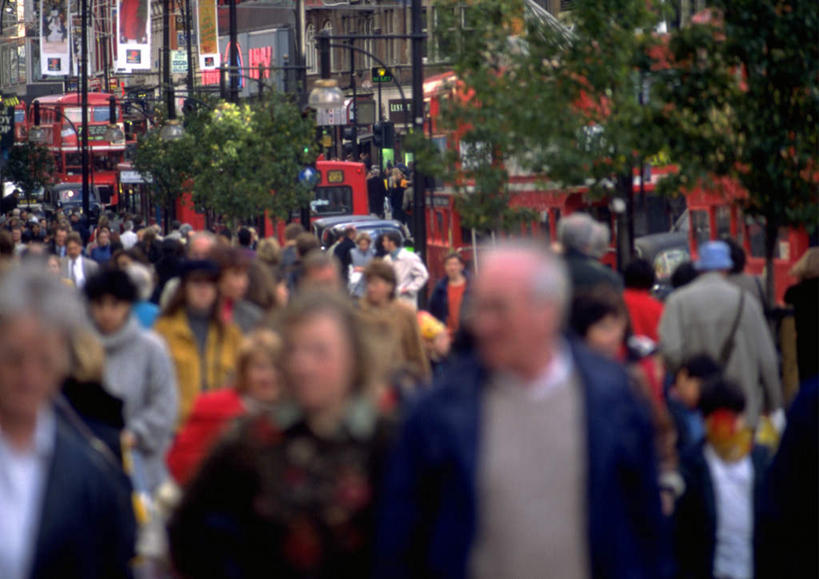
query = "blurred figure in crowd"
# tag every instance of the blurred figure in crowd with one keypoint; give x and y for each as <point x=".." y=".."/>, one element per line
<point x="138" y="371"/>
<point x="320" y="271"/>
<point x="715" y="517"/>
<point x="466" y="492"/>
<point x="74" y="266"/>
<point x="293" y="496"/>
<point x="144" y="309"/>
<point x="684" y="399"/>
<point x="256" y="389"/>
<point x="65" y="511"/>
<point x="684" y="274"/>
<point x="803" y="296"/>
<point x="644" y="310"/>
<point x="714" y="317"/>
<point x="391" y="323"/>
<point x="410" y="272"/>
<point x="584" y="241"/>
<point x="737" y="276"/>
<point x="202" y="346"/>
<point x="450" y="293"/>
<point x="360" y="256"/>
<point x="436" y="340"/>
<point x="788" y="524"/>
<point x="233" y="283"/>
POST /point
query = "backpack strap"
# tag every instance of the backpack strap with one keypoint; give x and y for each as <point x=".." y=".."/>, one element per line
<point x="728" y="346"/>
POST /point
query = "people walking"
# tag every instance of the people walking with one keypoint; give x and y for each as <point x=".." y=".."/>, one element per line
<point x="467" y="492"/>
<point x="712" y="316"/>
<point x="411" y="273"/>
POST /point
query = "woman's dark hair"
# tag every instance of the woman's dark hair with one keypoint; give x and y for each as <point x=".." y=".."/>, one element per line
<point x="589" y="307"/>
<point x="721" y="394"/>
<point x="737" y="255"/>
<point x="683" y="275"/>
<point x="110" y="282"/>
<point x="639" y="274"/>
<point x="701" y="366"/>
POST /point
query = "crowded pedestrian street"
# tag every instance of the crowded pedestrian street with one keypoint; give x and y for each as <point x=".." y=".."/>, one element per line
<point x="497" y="289"/>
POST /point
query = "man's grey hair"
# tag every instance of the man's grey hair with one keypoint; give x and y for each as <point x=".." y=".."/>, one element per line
<point x="581" y="233"/>
<point x="550" y="279"/>
<point x="129" y="225"/>
<point x="30" y="291"/>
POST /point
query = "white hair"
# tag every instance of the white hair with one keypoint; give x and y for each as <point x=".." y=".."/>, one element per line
<point x="550" y="278"/>
<point x="30" y="291"/>
<point x="581" y="233"/>
<point x="142" y="278"/>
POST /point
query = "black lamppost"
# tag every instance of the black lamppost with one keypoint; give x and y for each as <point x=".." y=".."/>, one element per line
<point x="323" y="41"/>
<point x="233" y="53"/>
<point x="84" y="115"/>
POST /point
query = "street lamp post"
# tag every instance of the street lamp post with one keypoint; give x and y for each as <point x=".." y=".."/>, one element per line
<point x="84" y="114"/>
<point x="417" y="39"/>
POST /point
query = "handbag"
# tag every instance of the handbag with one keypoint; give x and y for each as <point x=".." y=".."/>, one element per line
<point x="728" y="346"/>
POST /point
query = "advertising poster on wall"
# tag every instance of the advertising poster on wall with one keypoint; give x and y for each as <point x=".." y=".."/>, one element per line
<point x="208" y="34"/>
<point x="55" y="44"/>
<point x="133" y="35"/>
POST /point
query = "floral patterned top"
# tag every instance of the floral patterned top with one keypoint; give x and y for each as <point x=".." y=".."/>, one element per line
<point x="276" y="500"/>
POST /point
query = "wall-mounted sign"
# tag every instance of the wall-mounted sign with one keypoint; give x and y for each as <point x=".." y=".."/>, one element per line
<point x="400" y="110"/>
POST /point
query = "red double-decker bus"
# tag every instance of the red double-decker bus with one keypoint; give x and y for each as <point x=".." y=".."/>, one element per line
<point x="61" y="119"/>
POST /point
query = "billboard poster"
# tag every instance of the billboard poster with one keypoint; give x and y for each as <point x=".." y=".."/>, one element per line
<point x="208" y="34"/>
<point x="133" y="35"/>
<point x="55" y="44"/>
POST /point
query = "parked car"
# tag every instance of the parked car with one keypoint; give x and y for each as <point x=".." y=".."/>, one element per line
<point x="320" y="225"/>
<point x="373" y="227"/>
<point x="665" y="252"/>
<point x="67" y="197"/>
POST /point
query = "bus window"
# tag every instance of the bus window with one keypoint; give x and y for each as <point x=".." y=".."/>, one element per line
<point x="95" y="114"/>
<point x="702" y="229"/>
<point x="723" y="222"/>
<point x="332" y="200"/>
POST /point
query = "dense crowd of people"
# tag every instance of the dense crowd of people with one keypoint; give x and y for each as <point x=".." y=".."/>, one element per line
<point x="214" y="404"/>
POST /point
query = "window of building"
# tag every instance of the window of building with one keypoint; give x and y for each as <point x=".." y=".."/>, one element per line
<point x="311" y="53"/>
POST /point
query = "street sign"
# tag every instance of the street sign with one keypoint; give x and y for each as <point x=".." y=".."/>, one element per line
<point x="380" y="75"/>
<point x="6" y="132"/>
<point x="325" y="117"/>
<point x="400" y="110"/>
<point x="179" y="61"/>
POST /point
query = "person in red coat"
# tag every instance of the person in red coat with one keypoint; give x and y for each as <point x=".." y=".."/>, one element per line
<point x="256" y="390"/>
<point x="644" y="310"/>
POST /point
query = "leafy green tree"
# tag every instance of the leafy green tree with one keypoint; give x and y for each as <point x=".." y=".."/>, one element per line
<point x="167" y="162"/>
<point x="30" y="166"/>
<point x="536" y="98"/>
<point x="247" y="158"/>
<point x="740" y="99"/>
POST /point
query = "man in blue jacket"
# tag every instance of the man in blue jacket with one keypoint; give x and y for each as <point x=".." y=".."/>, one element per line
<point x="532" y="459"/>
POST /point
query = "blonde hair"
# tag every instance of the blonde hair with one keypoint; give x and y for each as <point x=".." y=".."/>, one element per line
<point x="259" y="342"/>
<point x="362" y="236"/>
<point x="808" y="265"/>
<point x="87" y="356"/>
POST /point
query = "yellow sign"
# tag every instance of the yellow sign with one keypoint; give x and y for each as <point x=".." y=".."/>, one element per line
<point x="335" y="176"/>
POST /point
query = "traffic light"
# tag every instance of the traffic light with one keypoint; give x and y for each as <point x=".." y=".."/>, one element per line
<point x="348" y="133"/>
<point x="388" y="135"/>
<point x="378" y="135"/>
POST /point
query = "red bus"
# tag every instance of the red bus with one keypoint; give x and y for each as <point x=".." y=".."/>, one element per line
<point x="341" y="189"/>
<point x="61" y="118"/>
<point x="711" y="215"/>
